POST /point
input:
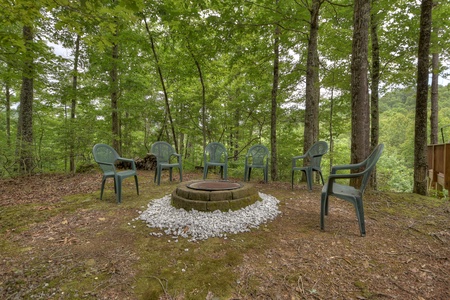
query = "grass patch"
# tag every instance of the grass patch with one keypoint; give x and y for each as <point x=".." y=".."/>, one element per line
<point x="193" y="270"/>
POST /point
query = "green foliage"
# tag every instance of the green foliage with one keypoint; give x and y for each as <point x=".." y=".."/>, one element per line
<point x="393" y="172"/>
<point x="227" y="45"/>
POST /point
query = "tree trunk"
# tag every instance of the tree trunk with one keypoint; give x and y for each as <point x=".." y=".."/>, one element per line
<point x="434" y="120"/>
<point x="114" y="77"/>
<point x="235" y="145"/>
<point x="311" y="129"/>
<point x="359" y="87"/>
<point x="8" y="113"/>
<point x="273" y="114"/>
<point x="420" y="138"/>
<point x="200" y="75"/>
<point x="374" y="95"/>
<point x="72" y="138"/>
<point x="161" y="78"/>
<point x="330" y="125"/>
<point x="24" y="147"/>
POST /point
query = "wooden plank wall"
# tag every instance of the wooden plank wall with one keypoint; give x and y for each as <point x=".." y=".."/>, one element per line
<point x="438" y="156"/>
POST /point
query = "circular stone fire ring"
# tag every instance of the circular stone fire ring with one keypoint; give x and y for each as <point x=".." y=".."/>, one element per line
<point x="211" y="195"/>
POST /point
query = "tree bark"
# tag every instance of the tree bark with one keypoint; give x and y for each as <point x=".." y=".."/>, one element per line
<point x="311" y="129"/>
<point x="74" y="104"/>
<point x="114" y="78"/>
<point x="273" y="119"/>
<point x="24" y="147"/>
<point x="374" y="88"/>
<point x="330" y="125"/>
<point x="434" y="118"/>
<point x="359" y="84"/>
<point x="202" y="82"/>
<point x="235" y="134"/>
<point x="8" y="113"/>
<point x="420" y="128"/>
<point x="161" y="78"/>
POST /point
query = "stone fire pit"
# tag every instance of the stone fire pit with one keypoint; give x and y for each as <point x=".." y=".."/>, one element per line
<point x="211" y="195"/>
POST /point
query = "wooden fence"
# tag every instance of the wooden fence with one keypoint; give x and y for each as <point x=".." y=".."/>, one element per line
<point x="438" y="156"/>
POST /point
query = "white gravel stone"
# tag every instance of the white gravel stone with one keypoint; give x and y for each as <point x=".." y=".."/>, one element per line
<point x="200" y="225"/>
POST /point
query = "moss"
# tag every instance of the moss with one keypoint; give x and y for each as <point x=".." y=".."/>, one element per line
<point x="362" y="286"/>
<point x="192" y="269"/>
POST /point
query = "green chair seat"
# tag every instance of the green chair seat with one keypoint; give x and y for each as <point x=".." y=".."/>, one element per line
<point x="312" y="160"/>
<point x="216" y="155"/>
<point x="164" y="153"/>
<point x="347" y="192"/>
<point x="106" y="157"/>
<point x="257" y="157"/>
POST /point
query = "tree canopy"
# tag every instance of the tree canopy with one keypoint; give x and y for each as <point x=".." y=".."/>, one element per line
<point x="190" y="73"/>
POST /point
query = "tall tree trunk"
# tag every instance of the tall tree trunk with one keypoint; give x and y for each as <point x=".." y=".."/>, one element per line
<point x="161" y="78"/>
<point x="273" y="114"/>
<point x="72" y="138"/>
<point x="181" y="142"/>
<point x="434" y="119"/>
<point x="311" y="129"/>
<point x="236" y="118"/>
<point x="24" y="147"/>
<point x="374" y="95"/>
<point x="359" y="84"/>
<point x="202" y="82"/>
<point x="420" y="138"/>
<point x="114" y="78"/>
<point x="330" y="124"/>
<point x="8" y="113"/>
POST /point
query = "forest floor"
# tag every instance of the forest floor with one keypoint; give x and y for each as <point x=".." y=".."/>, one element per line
<point x="59" y="241"/>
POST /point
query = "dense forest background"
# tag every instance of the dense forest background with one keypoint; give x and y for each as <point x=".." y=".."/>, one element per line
<point x="129" y="73"/>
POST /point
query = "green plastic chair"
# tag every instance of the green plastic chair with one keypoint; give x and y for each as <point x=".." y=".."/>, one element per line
<point x="215" y="154"/>
<point x="164" y="153"/>
<point x="106" y="157"/>
<point x="313" y="157"/>
<point x="257" y="157"/>
<point x="349" y="193"/>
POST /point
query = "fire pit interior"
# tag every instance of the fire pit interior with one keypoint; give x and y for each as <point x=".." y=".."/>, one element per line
<point x="211" y="195"/>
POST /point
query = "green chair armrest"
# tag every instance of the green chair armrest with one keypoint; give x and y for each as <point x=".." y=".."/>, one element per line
<point x="295" y="158"/>
<point x="334" y="169"/>
<point x="178" y="156"/>
<point x="298" y="157"/>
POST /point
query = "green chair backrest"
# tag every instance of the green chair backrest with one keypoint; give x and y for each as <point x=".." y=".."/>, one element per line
<point x="316" y="153"/>
<point x="215" y="151"/>
<point x="163" y="151"/>
<point x="105" y="154"/>
<point x="258" y="153"/>
<point x="370" y="163"/>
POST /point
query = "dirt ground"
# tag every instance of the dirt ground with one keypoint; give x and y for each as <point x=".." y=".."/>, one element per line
<point x="54" y="226"/>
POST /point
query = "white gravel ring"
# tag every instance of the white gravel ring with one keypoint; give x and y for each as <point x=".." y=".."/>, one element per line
<point x="200" y="225"/>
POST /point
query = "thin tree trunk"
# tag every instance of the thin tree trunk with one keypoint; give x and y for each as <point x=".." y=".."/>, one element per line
<point x="187" y="148"/>
<point x="114" y="77"/>
<point x="311" y="129"/>
<point x="237" y="117"/>
<point x="359" y="84"/>
<point x="420" y="138"/>
<point x="273" y="121"/>
<point x="200" y="75"/>
<point x="434" y="119"/>
<point x="24" y="147"/>
<point x="74" y="104"/>
<point x="161" y="78"/>
<point x="181" y="143"/>
<point x="374" y="95"/>
<point x="8" y="113"/>
<point x="330" y="125"/>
